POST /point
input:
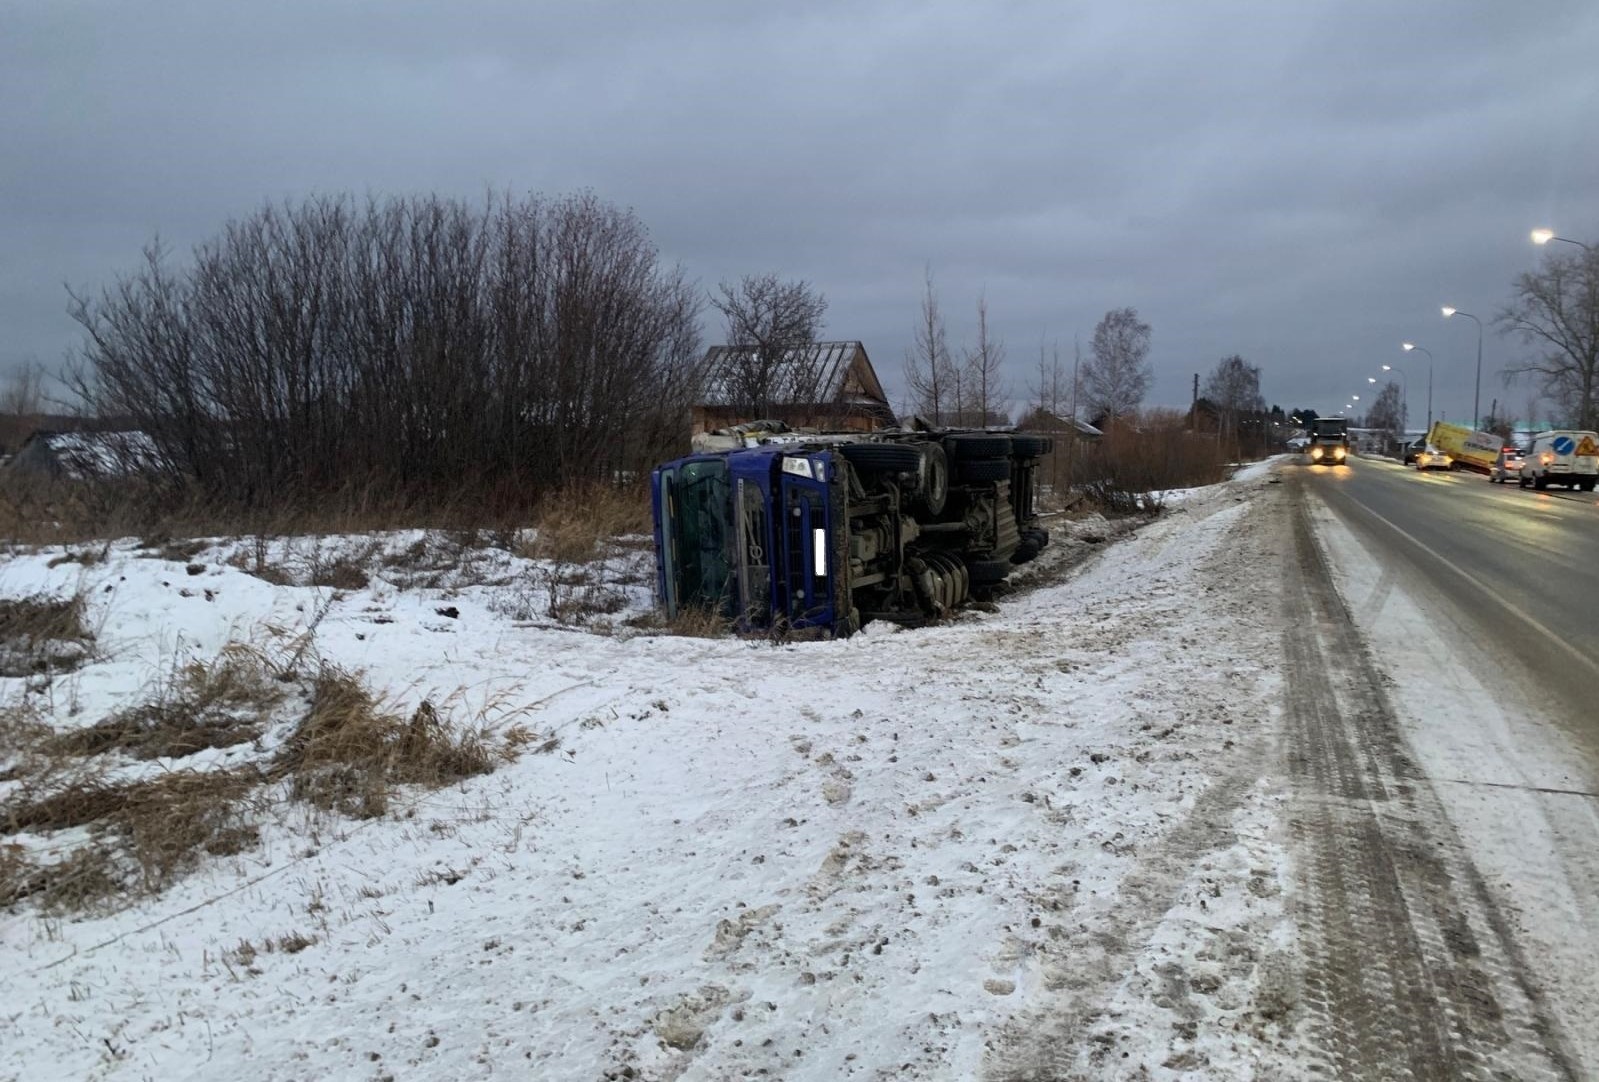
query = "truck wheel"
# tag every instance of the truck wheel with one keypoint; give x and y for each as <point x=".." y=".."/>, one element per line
<point x="983" y="470"/>
<point x="1026" y="445"/>
<point x="968" y="445"/>
<point x="1540" y="483"/>
<point x="988" y="572"/>
<point x="1521" y="482"/>
<point x="1587" y="486"/>
<point x="883" y="457"/>
<point x="934" y="472"/>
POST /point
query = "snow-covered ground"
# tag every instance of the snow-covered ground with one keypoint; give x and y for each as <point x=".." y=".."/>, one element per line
<point x="1039" y="842"/>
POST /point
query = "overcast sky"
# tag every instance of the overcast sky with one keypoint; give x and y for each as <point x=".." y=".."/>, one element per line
<point x="1302" y="183"/>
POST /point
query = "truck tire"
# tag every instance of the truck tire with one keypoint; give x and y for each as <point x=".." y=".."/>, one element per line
<point x="983" y="470"/>
<point x="969" y="445"/>
<point x="933" y="489"/>
<point x="1521" y="482"/>
<point x="1588" y="486"/>
<point x="882" y="457"/>
<point x="1540" y="483"/>
<point x="988" y="572"/>
<point x="1025" y="445"/>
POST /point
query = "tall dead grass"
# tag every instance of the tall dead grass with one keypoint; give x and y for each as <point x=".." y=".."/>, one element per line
<point x="218" y="704"/>
<point x="347" y="753"/>
<point x="43" y="633"/>
<point x="570" y="526"/>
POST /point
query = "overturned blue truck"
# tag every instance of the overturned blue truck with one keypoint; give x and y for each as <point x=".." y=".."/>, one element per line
<point x="789" y="531"/>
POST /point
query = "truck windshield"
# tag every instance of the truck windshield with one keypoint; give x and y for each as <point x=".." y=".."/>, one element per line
<point x="698" y="506"/>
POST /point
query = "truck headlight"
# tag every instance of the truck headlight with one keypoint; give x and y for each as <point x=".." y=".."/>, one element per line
<point x="1315" y="452"/>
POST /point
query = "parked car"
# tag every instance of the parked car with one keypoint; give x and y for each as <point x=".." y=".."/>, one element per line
<point x="1430" y="458"/>
<point x="1507" y="467"/>
<point x="1413" y="449"/>
<point x="1564" y="458"/>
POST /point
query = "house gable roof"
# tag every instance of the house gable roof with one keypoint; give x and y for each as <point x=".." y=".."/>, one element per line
<point x="842" y="372"/>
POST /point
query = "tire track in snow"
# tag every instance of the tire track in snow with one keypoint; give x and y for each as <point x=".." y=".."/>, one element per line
<point x="1414" y="970"/>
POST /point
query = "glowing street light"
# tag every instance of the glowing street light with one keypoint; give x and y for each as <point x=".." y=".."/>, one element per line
<point x="1371" y="379"/>
<point x="1544" y="236"/>
<point x="1476" y="398"/>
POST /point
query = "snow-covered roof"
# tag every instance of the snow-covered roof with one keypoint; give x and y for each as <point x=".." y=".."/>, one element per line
<point x="85" y="455"/>
<point x="817" y="373"/>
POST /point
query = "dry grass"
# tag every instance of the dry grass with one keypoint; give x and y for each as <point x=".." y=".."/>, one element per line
<point x="349" y="750"/>
<point x="142" y="833"/>
<point x="84" y="878"/>
<point x="347" y="754"/>
<point x="43" y="634"/>
<point x="218" y="705"/>
<point x="572" y="524"/>
<point x="696" y="623"/>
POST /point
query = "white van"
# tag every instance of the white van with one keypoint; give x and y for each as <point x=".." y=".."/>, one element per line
<point x="1566" y="458"/>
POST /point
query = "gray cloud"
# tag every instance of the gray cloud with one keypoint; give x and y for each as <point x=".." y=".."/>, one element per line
<point x="1302" y="183"/>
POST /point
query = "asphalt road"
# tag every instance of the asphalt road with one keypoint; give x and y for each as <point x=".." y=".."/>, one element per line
<point x="1523" y="566"/>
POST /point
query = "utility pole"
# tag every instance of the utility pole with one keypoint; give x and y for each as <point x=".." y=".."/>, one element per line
<point x="1193" y="407"/>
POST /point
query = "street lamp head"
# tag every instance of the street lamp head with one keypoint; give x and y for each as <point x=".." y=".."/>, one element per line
<point x="1406" y="346"/>
<point x="1355" y="397"/>
<point x="1387" y="368"/>
<point x="1373" y="379"/>
<point x="1542" y="236"/>
<point x="1448" y="311"/>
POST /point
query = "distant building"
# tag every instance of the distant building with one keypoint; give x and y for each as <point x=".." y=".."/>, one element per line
<point x="87" y="456"/>
<point x="823" y="385"/>
<point x="1042" y="420"/>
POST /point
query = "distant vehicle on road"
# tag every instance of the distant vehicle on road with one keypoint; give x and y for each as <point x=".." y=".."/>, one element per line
<point x="1468" y="449"/>
<point x="1413" y="449"/>
<point x="1431" y="458"/>
<point x="1507" y="467"/>
<point x="1569" y="458"/>
<point x="1329" y="441"/>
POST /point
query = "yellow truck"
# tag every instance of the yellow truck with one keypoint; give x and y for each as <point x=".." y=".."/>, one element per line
<point x="1466" y="448"/>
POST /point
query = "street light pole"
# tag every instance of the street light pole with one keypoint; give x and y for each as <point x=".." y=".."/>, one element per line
<point x="1476" y="397"/>
<point x="1408" y="347"/>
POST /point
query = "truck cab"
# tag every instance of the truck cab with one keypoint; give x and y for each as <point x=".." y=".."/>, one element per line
<point x="1329" y="441"/>
<point x="824" y="534"/>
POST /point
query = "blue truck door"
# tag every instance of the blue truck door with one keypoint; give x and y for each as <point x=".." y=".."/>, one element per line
<point x="806" y="549"/>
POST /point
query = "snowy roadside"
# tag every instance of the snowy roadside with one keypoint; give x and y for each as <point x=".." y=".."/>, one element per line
<point x="1043" y="840"/>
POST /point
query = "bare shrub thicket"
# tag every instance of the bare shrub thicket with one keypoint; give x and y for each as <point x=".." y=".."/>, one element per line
<point x="1126" y="470"/>
<point x="399" y="352"/>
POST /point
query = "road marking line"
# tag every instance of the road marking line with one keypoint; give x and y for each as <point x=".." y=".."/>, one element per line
<point x="1509" y="606"/>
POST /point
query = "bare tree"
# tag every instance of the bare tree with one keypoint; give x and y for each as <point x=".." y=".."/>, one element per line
<point x="1387" y="412"/>
<point x="1116" y="377"/>
<point x="927" y="363"/>
<point x="418" y="350"/>
<point x="983" y="365"/>
<point x="23" y="392"/>
<point x="1233" y="387"/>
<point x="1049" y="391"/>
<point x="773" y="322"/>
<point x="1556" y="309"/>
